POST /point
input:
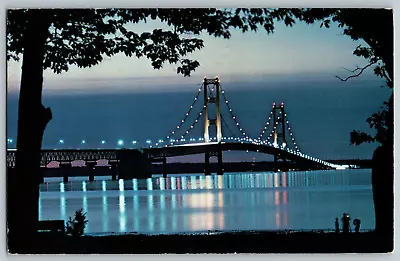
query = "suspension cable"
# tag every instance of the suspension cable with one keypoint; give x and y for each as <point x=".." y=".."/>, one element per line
<point x="186" y="115"/>
<point x="227" y="126"/>
<point x="267" y="123"/>
<point x="291" y="134"/>
<point x="188" y="129"/>
<point x="233" y="116"/>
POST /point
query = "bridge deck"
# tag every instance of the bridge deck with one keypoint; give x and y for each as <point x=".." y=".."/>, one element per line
<point x="69" y="155"/>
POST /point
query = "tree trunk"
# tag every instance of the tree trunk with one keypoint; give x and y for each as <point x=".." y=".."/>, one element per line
<point x="383" y="183"/>
<point x="23" y="183"/>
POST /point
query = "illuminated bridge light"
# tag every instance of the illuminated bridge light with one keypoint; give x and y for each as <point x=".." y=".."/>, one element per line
<point x="134" y="142"/>
<point x="148" y="141"/>
<point x="83" y="141"/>
<point x="61" y="141"/>
<point x="120" y="142"/>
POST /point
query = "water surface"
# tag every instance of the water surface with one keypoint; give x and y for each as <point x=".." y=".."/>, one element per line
<point x="196" y="203"/>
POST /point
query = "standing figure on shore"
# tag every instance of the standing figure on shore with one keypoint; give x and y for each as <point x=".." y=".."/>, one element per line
<point x="346" y="223"/>
<point x="357" y="224"/>
<point x="337" y="229"/>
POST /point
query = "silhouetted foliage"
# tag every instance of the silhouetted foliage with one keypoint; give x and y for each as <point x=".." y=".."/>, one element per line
<point x="82" y="37"/>
<point x="76" y="226"/>
<point x="375" y="28"/>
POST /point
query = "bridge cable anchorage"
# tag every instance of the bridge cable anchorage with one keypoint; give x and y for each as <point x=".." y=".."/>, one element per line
<point x="186" y="116"/>
<point x="233" y="116"/>
<point x="188" y="130"/>
<point x="266" y="125"/>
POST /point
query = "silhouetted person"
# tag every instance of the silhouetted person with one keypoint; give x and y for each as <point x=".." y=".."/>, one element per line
<point x="346" y="223"/>
<point x="337" y="229"/>
<point x="357" y="224"/>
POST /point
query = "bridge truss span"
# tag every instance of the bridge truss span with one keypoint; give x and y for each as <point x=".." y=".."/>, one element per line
<point x="68" y="156"/>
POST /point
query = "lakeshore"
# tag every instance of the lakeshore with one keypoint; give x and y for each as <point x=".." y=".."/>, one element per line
<point x="233" y="242"/>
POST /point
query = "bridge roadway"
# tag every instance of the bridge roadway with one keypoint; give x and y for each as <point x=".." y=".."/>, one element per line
<point x="91" y="155"/>
<point x="199" y="148"/>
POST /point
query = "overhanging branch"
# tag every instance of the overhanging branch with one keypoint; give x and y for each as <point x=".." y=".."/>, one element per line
<point x="361" y="70"/>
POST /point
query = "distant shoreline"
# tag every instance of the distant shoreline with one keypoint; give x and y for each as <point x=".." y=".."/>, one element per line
<point x="184" y="168"/>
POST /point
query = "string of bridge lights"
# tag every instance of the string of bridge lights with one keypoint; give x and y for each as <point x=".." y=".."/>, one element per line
<point x="265" y="127"/>
<point x="230" y="110"/>
<point x="295" y="152"/>
<point x="226" y="124"/>
<point x="272" y="132"/>
<point x="182" y="139"/>
<point x="291" y="134"/>
<point x="186" y="116"/>
<point x="233" y="116"/>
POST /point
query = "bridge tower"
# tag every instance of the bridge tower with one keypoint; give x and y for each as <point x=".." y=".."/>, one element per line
<point x="212" y="95"/>
<point x="279" y="118"/>
<point x="211" y="87"/>
<point x="279" y="131"/>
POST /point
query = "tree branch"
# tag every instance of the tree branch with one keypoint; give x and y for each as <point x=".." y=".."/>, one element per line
<point x="387" y="78"/>
<point x="355" y="75"/>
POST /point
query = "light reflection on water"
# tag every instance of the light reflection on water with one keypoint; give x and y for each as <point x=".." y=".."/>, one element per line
<point x="191" y="203"/>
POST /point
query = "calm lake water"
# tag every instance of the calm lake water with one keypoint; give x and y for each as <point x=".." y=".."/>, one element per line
<point x="196" y="203"/>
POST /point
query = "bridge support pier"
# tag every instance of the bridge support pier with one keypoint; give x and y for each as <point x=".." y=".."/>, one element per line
<point x="220" y="170"/>
<point x="207" y="156"/>
<point x="285" y="164"/>
<point x="65" y="168"/>
<point x="275" y="162"/>
<point x="164" y="168"/>
<point x="207" y="163"/>
<point x="91" y="165"/>
<point x="113" y="169"/>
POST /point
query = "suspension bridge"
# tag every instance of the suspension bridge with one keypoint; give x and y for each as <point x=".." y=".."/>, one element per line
<point x="276" y="138"/>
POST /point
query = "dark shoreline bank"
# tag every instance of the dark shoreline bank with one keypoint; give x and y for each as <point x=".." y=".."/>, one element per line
<point x="233" y="242"/>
